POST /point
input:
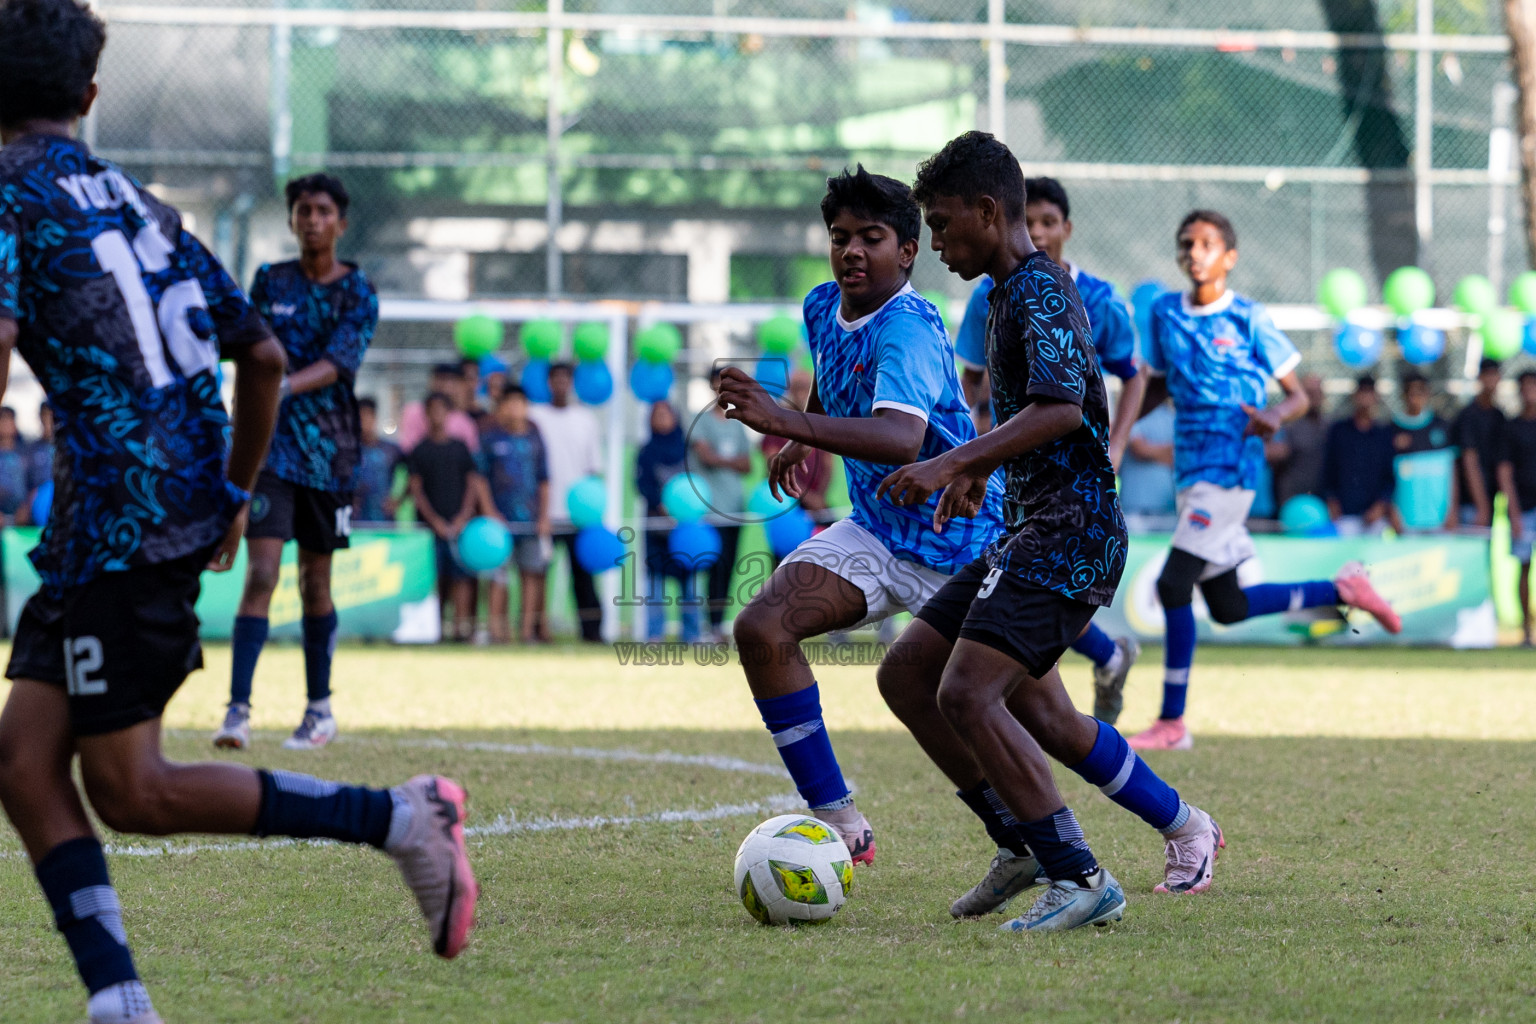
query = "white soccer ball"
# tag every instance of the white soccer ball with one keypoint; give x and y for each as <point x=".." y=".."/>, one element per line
<point x="793" y="869"/>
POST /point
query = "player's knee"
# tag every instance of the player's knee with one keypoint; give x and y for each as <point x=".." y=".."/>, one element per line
<point x="1227" y="613"/>
<point x="1175" y="590"/>
<point x="1225" y="599"/>
<point x="134" y="801"/>
<point x="759" y="625"/>
<point x="960" y="705"/>
<point x="903" y="687"/>
<point x="260" y="579"/>
<point x="315" y="589"/>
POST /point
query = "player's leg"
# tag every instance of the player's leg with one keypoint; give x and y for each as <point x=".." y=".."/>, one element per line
<point x="498" y="606"/>
<point x="263" y="564"/>
<point x="320" y="624"/>
<point x="721" y="575"/>
<point x="1525" y="602"/>
<point x="1176" y="592"/>
<point x="461" y="595"/>
<point x="588" y="609"/>
<point x="1112" y="659"/>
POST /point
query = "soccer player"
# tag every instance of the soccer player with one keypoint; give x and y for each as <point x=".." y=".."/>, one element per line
<point x="1214" y="352"/>
<point x="324" y="312"/>
<point x="1048" y="215"/>
<point x="983" y="651"/>
<point x="886" y="393"/>
<point x="123" y="317"/>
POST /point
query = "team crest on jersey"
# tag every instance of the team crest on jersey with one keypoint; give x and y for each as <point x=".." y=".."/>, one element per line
<point x="1221" y="342"/>
<point x="1199" y="519"/>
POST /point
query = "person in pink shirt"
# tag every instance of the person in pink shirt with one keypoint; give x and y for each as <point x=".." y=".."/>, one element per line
<point x="448" y="379"/>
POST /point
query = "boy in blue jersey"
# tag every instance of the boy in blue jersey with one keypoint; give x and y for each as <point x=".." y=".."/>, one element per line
<point x="1214" y="351"/>
<point x="123" y="317"/>
<point x="324" y="311"/>
<point x="1048" y="214"/>
<point x="974" y="676"/>
<point x="885" y="393"/>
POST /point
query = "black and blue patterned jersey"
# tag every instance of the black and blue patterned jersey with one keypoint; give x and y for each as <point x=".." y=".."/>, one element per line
<point x="121" y="314"/>
<point x="317" y="440"/>
<point x="1064" y="528"/>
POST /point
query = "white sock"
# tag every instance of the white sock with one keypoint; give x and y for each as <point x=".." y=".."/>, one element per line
<point x="122" y="1003"/>
<point x="321" y="707"/>
<point x="1115" y="660"/>
<point x="399" y="821"/>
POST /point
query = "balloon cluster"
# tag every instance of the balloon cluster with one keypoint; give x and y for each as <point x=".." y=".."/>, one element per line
<point x="598" y="549"/>
<point x="592" y="380"/>
<point x="785" y="524"/>
<point x="651" y="377"/>
<point x="693" y="545"/>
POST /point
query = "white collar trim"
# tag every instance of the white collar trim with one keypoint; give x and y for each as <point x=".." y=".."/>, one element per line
<point x="851" y="326"/>
<point x="1074" y="270"/>
<point x="1221" y="305"/>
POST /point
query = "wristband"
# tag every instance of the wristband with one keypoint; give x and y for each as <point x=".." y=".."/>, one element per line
<point x="284" y="389"/>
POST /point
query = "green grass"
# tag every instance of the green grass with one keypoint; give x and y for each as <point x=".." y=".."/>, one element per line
<point x="1379" y="807"/>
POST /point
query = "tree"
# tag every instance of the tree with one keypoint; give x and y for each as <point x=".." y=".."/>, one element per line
<point x="1520" y="21"/>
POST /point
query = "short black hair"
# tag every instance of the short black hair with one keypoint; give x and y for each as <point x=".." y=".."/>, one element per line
<point x="437" y="396"/>
<point x="1524" y="375"/>
<point x="1216" y="220"/>
<point x="873" y="197"/>
<point x="447" y="370"/>
<point x="1488" y="364"/>
<point x="1365" y="382"/>
<point x="970" y="166"/>
<point x="469" y="361"/>
<point x="313" y="184"/>
<point x="1413" y="377"/>
<point x="49" y="50"/>
<point x="369" y="403"/>
<point x="562" y="366"/>
<point x="1047" y="190"/>
<point x="512" y="391"/>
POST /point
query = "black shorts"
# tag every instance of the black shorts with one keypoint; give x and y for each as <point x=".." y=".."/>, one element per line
<point x="1032" y="625"/>
<point x="283" y="510"/>
<point x="120" y="645"/>
<point x="449" y="569"/>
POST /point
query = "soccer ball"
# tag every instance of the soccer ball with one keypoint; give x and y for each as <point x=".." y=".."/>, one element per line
<point x="793" y="869"/>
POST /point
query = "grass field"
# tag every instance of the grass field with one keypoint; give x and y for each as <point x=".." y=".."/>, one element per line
<point x="1379" y="806"/>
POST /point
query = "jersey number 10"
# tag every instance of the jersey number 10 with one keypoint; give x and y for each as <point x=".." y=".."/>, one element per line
<point x="163" y="327"/>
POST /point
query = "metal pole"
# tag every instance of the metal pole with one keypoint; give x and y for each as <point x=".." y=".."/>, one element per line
<point x="282" y="112"/>
<point x="997" y="72"/>
<point x="555" y="56"/>
<point x="1423" y="132"/>
<point x="1501" y="151"/>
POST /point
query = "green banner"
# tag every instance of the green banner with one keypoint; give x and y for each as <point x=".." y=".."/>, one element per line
<point x="1438" y="584"/>
<point x="384" y="587"/>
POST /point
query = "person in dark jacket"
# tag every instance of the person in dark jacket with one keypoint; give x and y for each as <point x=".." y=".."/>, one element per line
<point x="661" y="458"/>
<point x="1357" y="479"/>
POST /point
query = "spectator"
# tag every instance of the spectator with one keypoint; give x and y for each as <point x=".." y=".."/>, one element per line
<point x="1418" y="428"/>
<point x="493" y="380"/>
<point x="1357" y="479"/>
<point x="448" y="382"/>
<point x="39" y="464"/>
<point x="1146" y="475"/>
<point x="570" y="435"/>
<point x="816" y="471"/>
<point x="723" y="449"/>
<point x="13" y="467"/>
<point x="516" y="467"/>
<point x="1426" y="484"/>
<point x="373" y="498"/>
<point x="1517" y="477"/>
<point x="1296" y="453"/>
<point x="1476" y="434"/>
<point x="447" y="490"/>
<point x="661" y="458"/>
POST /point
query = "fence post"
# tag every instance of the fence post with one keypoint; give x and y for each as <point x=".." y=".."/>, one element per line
<point x="281" y="112"/>
<point x="1423" y="133"/>
<point x="997" y="73"/>
<point x="553" y="214"/>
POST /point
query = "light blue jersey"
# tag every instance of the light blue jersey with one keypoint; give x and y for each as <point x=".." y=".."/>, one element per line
<point x="1114" y="337"/>
<point x="1216" y="358"/>
<point x="899" y="357"/>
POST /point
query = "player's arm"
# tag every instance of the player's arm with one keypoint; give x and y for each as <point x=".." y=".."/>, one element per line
<point x="344" y="354"/>
<point x="474" y="486"/>
<point x="889" y="436"/>
<point x="1267" y="421"/>
<point x="259" y="372"/>
<point x="1150" y="451"/>
<point x="424" y="511"/>
<point x="1127" y="411"/>
<point x="1507" y="485"/>
<point x="8" y="334"/>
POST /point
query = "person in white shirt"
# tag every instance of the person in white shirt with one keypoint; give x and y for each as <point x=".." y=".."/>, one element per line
<point x="570" y="434"/>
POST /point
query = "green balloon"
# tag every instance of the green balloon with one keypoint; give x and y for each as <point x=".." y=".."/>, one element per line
<point x="541" y="338"/>
<point x="477" y="336"/>
<point x="1341" y="292"/>
<point x="1522" y="292"/>
<point x="1475" y="294"/>
<point x="1503" y="330"/>
<point x="590" y="341"/>
<point x="1408" y="290"/>
<point x="941" y="303"/>
<point x="658" y="343"/>
<point x="779" y="336"/>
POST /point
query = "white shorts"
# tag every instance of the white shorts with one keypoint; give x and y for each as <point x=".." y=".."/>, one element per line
<point x="890" y="584"/>
<point x="1213" y="525"/>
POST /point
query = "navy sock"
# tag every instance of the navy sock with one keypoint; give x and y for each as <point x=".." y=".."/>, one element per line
<point x="305" y="807"/>
<point x="319" y="647"/>
<point x="1268" y="598"/>
<point x="1002" y="827"/>
<point x="1058" y="842"/>
<point x="1125" y="778"/>
<point x="798" y="731"/>
<point x="245" y="645"/>
<point x="1178" y="656"/>
<point x="85" y="909"/>
<point x="1095" y="645"/>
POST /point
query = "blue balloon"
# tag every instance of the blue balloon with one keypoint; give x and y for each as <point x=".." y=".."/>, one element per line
<point x="686" y="498"/>
<point x="536" y="380"/>
<point x="1304" y="514"/>
<point x="1421" y="344"/>
<point x="484" y="545"/>
<point x="788" y="531"/>
<point x="593" y="382"/>
<point x="773" y="375"/>
<point x="598" y="550"/>
<point x="693" y="547"/>
<point x="1358" y="346"/>
<point x="586" y="502"/>
<point x="651" y="382"/>
<point x="42" y="502"/>
<point x="1529" y="344"/>
<point x="763" y="503"/>
<point x="492" y="364"/>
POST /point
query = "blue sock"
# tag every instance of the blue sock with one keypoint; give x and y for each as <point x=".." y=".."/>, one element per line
<point x="1178" y="655"/>
<point x="319" y="647"/>
<point x="1002" y="827"/>
<point x="1095" y="645"/>
<point x="1268" y="598"/>
<point x="1125" y="778"/>
<point x="305" y="807"/>
<point x="1057" y="841"/>
<point x="245" y="645"/>
<point x="798" y="731"/>
<point x="85" y="909"/>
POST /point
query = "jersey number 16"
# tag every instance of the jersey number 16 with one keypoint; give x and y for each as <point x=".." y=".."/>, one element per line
<point x="165" y="326"/>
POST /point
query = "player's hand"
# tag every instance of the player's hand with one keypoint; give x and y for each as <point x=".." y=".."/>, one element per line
<point x="784" y="471"/>
<point x="915" y="484"/>
<point x="224" y="558"/>
<point x="1116" y="454"/>
<point x="747" y="401"/>
<point x="962" y="499"/>
<point x="1263" y="423"/>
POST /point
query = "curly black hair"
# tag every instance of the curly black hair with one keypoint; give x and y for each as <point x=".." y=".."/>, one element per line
<point x="1215" y="220"/>
<point x="1047" y="190"/>
<point x="313" y="184"/>
<point x="970" y="166"/>
<point x="49" y="50"/>
<point x="874" y="197"/>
